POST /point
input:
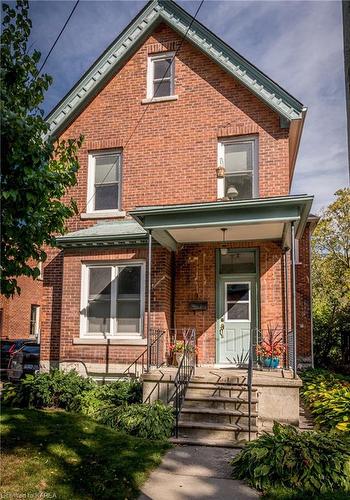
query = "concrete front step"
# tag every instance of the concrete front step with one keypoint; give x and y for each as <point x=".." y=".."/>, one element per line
<point x="219" y="402"/>
<point x="217" y="415"/>
<point x="225" y="433"/>
<point x="219" y="390"/>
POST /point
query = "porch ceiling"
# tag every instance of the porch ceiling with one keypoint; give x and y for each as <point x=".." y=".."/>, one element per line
<point x="259" y="218"/>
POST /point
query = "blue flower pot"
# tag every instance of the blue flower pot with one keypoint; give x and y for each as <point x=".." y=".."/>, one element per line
<point x="271" y="362"/>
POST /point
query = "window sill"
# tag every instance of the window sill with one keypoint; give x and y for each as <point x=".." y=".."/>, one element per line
<point x="110" y="341"/>
<point x="103" y="215"/>
<point x="159" y="99"/>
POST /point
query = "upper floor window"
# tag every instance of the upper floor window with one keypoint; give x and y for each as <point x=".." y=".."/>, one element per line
<point x="104" y="181"/>
<point x="161" y="75"/>
<point x="239" y="158"/>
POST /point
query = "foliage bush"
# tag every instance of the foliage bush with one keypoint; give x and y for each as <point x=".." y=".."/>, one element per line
<point x="56" y="389"/>
<point x="117" y="404"/>
<point x="91" y="403"/>
<point x="151" y="421"/>
<point x="328" y="397"/>
<point x="312" y="461"/>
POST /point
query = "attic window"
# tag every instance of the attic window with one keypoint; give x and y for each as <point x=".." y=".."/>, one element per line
<point x="161" y="76"/>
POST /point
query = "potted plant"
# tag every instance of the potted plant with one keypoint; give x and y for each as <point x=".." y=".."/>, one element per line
<point x="271" y="347"/>
<point x="177" y="350"/>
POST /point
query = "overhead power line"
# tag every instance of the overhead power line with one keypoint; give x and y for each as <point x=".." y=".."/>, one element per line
<point x="59" y="35"/>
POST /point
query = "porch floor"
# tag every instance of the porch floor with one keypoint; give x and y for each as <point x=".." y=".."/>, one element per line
<point x="272" y="378"/>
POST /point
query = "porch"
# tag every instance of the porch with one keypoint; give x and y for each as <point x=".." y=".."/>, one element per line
<point x="233" y="271"/>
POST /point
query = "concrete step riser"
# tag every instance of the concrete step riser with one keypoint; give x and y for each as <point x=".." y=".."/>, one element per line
<point x="242" y="406"/>
<point x="227" y="393"/>
<point x="216" y="435"/>
<point x="218" y="419"/>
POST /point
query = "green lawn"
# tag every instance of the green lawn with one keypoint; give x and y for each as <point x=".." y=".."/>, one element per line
<point x="286" y="494"/>
<point x="68" y="456"/>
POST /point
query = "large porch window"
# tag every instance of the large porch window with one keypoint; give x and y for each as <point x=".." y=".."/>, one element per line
<point x="239" y="158"/>
<point x="113" y="300"/>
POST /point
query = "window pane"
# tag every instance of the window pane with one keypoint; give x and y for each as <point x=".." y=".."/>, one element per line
<point x="162" y="89"/>
<point x="162" y="68"/>
<point x="128" y="316"/>
<point x="98" y="314"/>
<point x="99" y="306"/>
<point x="100" y="282"/>
<point x="237" y="292"/>
<point x="106" y="168"/>
<point x="106" y="197"/>
<point x="238" y="157"/>
<point x="243" y="183"/>
<point x="235" y="262"/>
<point x="238" y="311"/>
<point x="129" y="282"/>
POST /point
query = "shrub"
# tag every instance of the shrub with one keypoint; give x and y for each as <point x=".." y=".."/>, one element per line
<point x="151" y="421"/>
<point x="93" y="402"/>
<point x="56" y="388"/>
<point x="312" y="461"/>
<point x="328" y="397"/>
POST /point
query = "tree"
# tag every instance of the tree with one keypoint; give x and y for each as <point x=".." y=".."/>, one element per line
<point x="36" y="171"/>
<point x="331" y="279"/>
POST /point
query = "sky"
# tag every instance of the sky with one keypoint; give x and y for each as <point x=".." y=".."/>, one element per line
<point x="297" y="44"/>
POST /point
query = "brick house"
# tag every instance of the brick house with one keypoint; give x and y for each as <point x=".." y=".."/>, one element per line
<point x="185" y="177"/>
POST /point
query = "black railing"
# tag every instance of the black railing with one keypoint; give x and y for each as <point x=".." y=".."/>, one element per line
<point x="156" y="355"/>
<point x="184" y="373"/>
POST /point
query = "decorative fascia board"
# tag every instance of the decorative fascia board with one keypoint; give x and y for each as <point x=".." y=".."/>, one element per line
<point x="100" y="241"/>
<point x="177" y="18"/>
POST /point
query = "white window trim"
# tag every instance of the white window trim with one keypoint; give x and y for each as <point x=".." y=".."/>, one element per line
<point x="37" y="321"/>
<point x="150" y="73"/>
<point x="85" y="297"/>
<point x="240" y="301"/>
<point x="90" y="205"/>
<point x="221" y="161"/>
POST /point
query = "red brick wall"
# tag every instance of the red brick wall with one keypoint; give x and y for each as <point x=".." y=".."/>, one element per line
<point x="171" y="155"/>
<point x="196" y="279"/>
<point x="16" y="311"/>
<point x="58" y="343"/>
<point x="304" y="313"/>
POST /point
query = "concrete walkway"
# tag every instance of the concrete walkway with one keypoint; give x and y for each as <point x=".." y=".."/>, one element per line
<point x="196" y="472"/>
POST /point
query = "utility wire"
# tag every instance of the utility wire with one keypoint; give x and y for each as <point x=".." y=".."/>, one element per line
<point x="58" y="37"/>
<point x="154" y="93"/>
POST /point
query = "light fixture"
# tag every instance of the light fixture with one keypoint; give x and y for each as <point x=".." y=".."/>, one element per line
<point x="224" y="251"/>
<point x="232" y="193"/>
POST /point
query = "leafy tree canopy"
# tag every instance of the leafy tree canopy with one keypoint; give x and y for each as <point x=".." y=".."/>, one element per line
<point x="331" y="279"/>
<point x="36" y="172"/>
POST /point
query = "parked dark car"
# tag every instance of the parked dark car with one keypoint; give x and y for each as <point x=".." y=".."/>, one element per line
<point x="24" y="361"/>
<point x="7" y="350"/>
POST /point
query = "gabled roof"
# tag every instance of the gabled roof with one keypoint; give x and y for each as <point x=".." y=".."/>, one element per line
<point x="155" y="12"/>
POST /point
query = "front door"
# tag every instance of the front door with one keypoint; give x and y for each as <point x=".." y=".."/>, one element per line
<point x="236" y="318"/>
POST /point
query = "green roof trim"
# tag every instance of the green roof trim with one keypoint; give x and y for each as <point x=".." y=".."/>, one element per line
<point x="120" y="233"/>
<point x="259" y="210"/>
<point x="155" y="12"/>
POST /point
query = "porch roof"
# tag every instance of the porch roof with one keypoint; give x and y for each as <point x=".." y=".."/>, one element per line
<point x="259" y="218"/>
<point x="116" y="233"/>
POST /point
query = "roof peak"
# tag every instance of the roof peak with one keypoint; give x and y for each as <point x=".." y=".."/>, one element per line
<point x="196" y="33"/>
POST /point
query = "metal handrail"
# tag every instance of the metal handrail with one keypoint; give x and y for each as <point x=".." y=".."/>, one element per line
<point x="139" y="366"/>
<point x="184" y="374"/>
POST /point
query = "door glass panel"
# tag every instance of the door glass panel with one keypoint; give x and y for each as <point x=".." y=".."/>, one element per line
<point x="238" y="310"/>
<point x="237" y="292"/>
<point x="238" y="263"/>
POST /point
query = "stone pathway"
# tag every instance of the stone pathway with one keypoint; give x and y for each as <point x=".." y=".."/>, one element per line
<point x="196" y="472"/>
